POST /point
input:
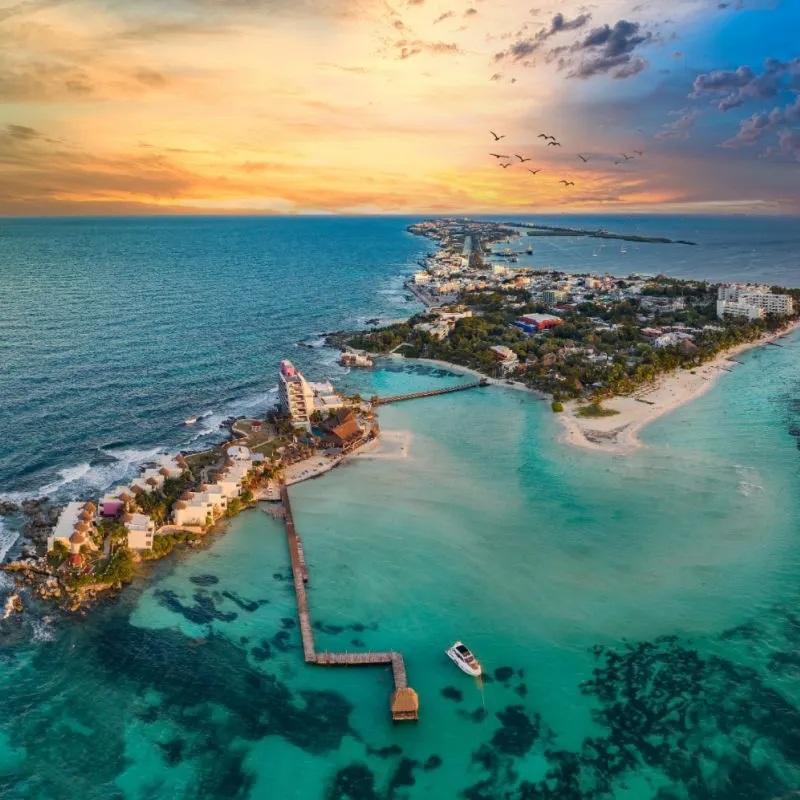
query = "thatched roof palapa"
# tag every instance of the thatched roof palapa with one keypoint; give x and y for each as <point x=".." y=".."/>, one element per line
<point x="405" y="704"/>
<point x="164" y="471"/>
<point x="85" y="515"/>
<point x="181" y="504"/>
<point x="77" y="538"/>
<point x="82" y="527"/>
<point x="90" y="507"/>
<point x="152" y="481"/>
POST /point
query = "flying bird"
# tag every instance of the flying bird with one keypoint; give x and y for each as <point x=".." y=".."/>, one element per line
<point x="554" y="143"/>
<point x="496" y="137"/>
<point x="567" y="183"/>
<point x="627" y="158"/>
<point x="521" y="159"/>
<point x="506" y="165"/>
<point x="533" y="171"/>
<point x="582" y="158"/>
<point x="639" y="152"/>
<point x="542" y="136"/>
<point x="499" y="155"/>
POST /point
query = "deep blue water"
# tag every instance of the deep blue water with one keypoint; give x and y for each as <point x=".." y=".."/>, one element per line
<point x="114" y="332"/>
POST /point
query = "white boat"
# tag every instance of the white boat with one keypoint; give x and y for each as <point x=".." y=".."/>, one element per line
<point x="460" y="654"/>
<point x="190" y="421"/>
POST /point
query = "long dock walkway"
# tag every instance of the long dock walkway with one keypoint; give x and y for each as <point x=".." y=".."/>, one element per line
<point x="404" y="700"/>
<point x="398" y="398"/>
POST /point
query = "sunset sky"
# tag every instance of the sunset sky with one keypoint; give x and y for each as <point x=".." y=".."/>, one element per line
<point x="368" y="106"/>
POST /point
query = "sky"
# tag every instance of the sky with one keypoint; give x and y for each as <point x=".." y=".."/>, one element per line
<point x="372" y="106"/>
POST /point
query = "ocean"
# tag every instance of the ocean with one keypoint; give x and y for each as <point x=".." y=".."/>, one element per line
<point x="636" y="616"/>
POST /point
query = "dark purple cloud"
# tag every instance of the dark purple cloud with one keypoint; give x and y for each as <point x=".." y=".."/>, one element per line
<point x="610" y="51"/>
<point x="519" y="51"/>
<point x="522" y="49"/>
<point x="559" y="24"/>
<point x="744" y="83"/>
<point x="781" y="121"/>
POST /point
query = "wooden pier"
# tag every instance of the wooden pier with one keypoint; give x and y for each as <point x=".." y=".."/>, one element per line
<point x="398" y="398"/>
<point x="404" y="700"/>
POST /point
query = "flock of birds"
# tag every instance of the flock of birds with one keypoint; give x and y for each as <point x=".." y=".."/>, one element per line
<point x="504" y="161"/>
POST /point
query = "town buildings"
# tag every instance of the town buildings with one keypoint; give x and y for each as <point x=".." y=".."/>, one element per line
<point x="355" y="358"/>
<point x="506" y="357"/>
<point x="74" y="526"/>
<point x="532" y="323"/>
<point x="751" y="302"/>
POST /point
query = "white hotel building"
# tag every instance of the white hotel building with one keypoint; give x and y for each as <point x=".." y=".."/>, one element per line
<point x="751" y="302"/>
<point x="296" y="395"/>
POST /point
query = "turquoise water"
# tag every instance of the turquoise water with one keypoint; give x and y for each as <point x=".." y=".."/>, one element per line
<point x="483" y="527"/>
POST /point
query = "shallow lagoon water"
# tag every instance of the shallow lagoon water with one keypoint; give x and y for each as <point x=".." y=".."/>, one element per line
<point x="483" y="528"/>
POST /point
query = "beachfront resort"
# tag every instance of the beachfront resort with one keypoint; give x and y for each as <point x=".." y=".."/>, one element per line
<point x="579" y="336"/>
<point x="92" y="544"/>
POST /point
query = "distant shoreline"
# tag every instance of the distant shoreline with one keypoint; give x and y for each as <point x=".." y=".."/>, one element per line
<point x="553" y="230"/>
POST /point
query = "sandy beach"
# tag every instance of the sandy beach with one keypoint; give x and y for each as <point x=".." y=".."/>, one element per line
<point x="618" y="434"/>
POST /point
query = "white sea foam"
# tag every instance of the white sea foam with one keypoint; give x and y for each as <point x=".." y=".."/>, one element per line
<point x="254" y="404"/>
<point x="42" y="630"/>
<point x="87" y="479"/>
<point x="7" y="540"/>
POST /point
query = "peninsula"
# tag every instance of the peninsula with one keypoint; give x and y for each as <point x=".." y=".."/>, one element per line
<point x="611" y="353"/>
<point x="92" y="545"/>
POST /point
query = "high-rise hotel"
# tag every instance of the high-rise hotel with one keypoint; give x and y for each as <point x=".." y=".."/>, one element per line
<point x="296" y="395"/>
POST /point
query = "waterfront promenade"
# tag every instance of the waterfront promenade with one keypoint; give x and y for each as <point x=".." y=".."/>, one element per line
<point x="404" y="703"/>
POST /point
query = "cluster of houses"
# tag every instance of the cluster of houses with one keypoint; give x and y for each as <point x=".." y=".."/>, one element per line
<point x="194" y="510"/>
<point x="79" y="520"/>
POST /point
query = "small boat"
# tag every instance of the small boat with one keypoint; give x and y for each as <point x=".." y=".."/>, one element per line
<point x="623" y="250"/>
<point x="460" y="654"/>
<point x="190" y="421"/>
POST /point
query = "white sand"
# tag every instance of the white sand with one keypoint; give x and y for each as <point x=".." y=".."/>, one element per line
<point x="618" y="434"/>
<point x="391" y="446"/>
